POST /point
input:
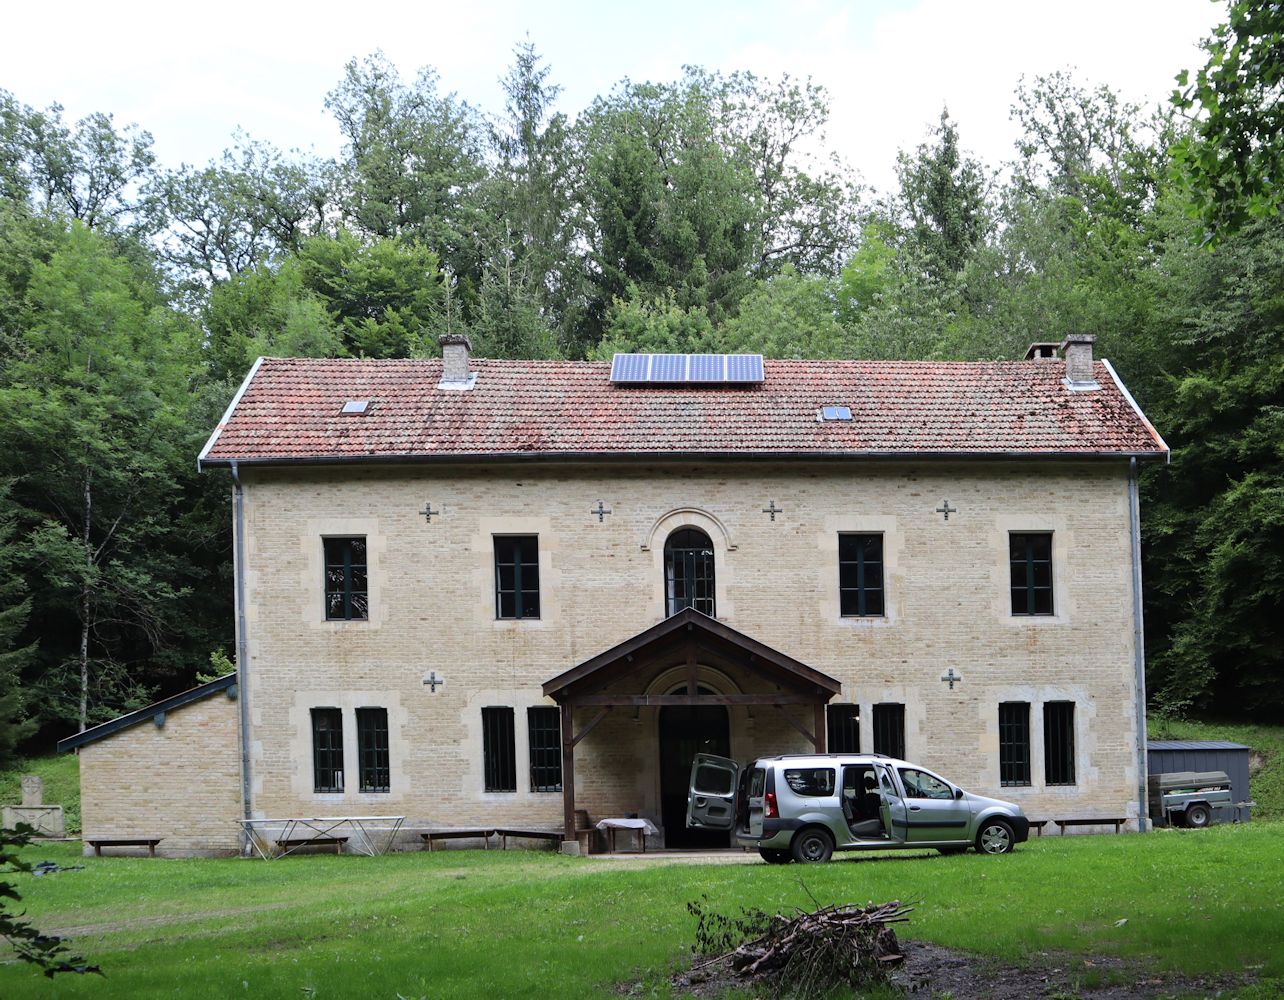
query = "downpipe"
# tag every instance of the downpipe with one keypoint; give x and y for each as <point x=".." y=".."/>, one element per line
<point x="242" y="648"/>
<point x="1139" y="644"/>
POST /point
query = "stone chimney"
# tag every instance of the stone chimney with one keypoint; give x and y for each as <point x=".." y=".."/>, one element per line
<point x="454" y="356"/>
<point x="1077" y="350"/>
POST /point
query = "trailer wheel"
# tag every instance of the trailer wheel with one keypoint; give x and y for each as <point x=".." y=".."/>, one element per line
<point x="1198" y="816"/>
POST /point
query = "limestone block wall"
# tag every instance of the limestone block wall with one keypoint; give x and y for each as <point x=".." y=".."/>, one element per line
<point x="180" y="781"/>
<point x="432" y="607"/>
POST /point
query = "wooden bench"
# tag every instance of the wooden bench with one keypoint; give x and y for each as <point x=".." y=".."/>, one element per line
<point x="1112" y="821"/>
<point x="98" y="843"/>
<point x="290" y="845"/>
<point x="1037" y="826"/>
<point x="469" y="834"/>
<point x="551" y="835"/>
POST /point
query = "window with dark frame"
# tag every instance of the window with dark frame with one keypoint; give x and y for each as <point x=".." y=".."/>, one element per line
<point x="889" y="729"/>
<point x="544" y="730"/>
<point x="346" y="598"/>
<point x="372" y="748"/>
<point x="689" y="572"/>
<point x="499" y="752"/>
<point x="843" y="728"/>
<point x="1014" y="743"/>
<point x="516" y="576"/>
<point x="1058" y="742"/>
<point x="860" y="575"/>
<point x="1031" y="559"/>
<point x="327" y="750"/>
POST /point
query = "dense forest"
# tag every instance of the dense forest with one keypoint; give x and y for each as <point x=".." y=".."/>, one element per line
<point x="700" y="214"/>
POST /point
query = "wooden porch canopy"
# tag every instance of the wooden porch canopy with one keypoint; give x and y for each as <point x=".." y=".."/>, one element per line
<point x="688" y="638"/>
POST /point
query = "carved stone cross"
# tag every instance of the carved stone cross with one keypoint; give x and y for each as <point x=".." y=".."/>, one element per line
<point x="947" y="510"/>
<point x="951" y="676"/>
<point x="428" y="512"/>
<point x="773" y="510"/>
<point x="33" y="790"/>
<point x="601" y="511"/>
<point x="433" y="681"/>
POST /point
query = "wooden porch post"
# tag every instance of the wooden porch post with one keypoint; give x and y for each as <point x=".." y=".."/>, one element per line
<point x="568" y="773"/>
<point x="819" y="731"/>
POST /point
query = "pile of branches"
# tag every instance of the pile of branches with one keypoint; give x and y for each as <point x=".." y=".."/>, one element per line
<point x="806" y="954"/>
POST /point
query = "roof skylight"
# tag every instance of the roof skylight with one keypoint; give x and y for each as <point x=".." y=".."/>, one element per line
<point x="356" y="406"/>
<point x="835" y="413"/>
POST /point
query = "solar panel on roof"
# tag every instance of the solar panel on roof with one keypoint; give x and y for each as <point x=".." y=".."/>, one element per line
<point x="630" y="367"/>
<point x="669" y="368"/>
<point x="688" y="368"/>
<point x="744" y="368"/>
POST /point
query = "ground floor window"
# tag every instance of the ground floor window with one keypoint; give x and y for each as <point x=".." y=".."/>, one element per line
<point x="1014" y="743"/>
<point x="372" y="742"/>
<point x="327" y="750"/>
<point x="544" y="727"/>
<point x="1058" y="742"/>
<point x="889" y="729"/>
<point x="843" y="734"/>
<point x="499" y="752"/>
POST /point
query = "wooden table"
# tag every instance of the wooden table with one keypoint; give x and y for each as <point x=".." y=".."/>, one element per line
<point x="641" y="827"/>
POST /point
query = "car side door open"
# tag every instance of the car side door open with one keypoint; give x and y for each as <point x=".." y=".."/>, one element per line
<point x="711" y="797"/>
<point x="936" y="813"/>
<point x="895" y="817"/>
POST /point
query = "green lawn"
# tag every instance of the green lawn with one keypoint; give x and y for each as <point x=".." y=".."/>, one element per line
<point x="518" y="924"/>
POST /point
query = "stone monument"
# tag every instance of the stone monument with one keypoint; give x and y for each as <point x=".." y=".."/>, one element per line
<point x="47" y="821"/>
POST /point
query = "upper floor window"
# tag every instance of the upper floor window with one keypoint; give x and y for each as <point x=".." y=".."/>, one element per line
<point x="516" y="576"/>
<point x="372" y="744"/>
<point x="1031" y="557"/>
<point x="346" y="598"/>
<point x="327" y="750"/>
<point x="688" y="572"/>
<point x="860" y="575"/>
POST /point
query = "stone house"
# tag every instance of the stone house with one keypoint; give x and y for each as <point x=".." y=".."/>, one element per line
<point x="484" y="592"/>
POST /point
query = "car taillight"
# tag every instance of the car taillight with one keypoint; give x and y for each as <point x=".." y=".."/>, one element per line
<point x="770" y="810"/>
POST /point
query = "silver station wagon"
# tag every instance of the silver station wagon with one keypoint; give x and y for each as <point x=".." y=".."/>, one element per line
<point x="805" y="807"/>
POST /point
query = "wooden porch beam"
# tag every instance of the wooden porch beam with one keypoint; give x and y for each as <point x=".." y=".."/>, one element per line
<point x="797" y="725"/>
<point x="592" y="722"/>
<point x="568" y="773"/>
<point x="765" y="698"/>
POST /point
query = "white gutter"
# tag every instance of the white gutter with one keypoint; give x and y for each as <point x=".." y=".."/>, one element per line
<point x="227" y="414"/>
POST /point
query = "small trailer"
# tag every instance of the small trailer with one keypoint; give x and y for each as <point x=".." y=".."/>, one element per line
<point x="1190" y="798"/>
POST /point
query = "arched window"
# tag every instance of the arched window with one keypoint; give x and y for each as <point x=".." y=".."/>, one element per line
<point x="688" y="571"/>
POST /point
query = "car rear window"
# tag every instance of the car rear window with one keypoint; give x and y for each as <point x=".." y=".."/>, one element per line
<point x="810" y="780"/>
<point x="757" y="783"/>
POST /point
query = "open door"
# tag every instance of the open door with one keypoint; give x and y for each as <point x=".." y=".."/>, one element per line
<point x="711" y="797"/>
<point x="895" y="816"/>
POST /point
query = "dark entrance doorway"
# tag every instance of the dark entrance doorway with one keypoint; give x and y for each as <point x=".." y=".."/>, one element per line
<point x="686" y="730"/>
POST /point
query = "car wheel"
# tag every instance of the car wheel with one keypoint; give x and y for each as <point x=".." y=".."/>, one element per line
<point x="951" y="850"/>
<point x="774" y="856"/>
<point x="812" y="846"/>
<point x="996" y="837"/>
<point x="1198" y="816"/>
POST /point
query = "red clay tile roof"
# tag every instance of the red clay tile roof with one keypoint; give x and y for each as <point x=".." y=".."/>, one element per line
<point x="290" y="411"/>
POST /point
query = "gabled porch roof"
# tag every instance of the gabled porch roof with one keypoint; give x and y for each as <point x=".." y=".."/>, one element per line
<point x="689" y="637"/>
<point x="622" y="675"/>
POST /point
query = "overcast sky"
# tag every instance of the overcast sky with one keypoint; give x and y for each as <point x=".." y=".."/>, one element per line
<point x="192" y="74"/>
